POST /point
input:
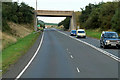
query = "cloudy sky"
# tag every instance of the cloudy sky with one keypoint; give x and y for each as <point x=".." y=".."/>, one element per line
<point x="59" y="5"/>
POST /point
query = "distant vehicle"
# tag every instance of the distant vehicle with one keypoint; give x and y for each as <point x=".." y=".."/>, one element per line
<point x="109" y="39"/>
<point x="81" y="33"/>
<point x="73" y="32"/>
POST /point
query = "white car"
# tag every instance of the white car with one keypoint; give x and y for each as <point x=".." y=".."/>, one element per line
<point x="81" y="33"/>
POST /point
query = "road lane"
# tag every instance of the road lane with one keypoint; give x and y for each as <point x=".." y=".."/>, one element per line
<point x="51" y="61"/>
<point x="54" y="60"/>
<point x="91" y="60"/>
<point x="96" y="43"/>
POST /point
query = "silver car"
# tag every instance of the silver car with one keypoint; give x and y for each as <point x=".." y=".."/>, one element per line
<point x="109" y="39"/>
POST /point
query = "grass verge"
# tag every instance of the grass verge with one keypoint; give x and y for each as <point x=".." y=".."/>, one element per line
<point x="12" y="54"/>
<point x="60" y="28"/>
<point x="93" y="34"/>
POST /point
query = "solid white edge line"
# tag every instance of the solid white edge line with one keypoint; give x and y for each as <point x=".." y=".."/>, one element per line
<point x="20" y="74"/>
<point x="98" y="49"/>
<point x="78" y="70"/>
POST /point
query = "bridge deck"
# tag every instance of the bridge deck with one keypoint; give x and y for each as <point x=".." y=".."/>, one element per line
<point x="54" y="13"/>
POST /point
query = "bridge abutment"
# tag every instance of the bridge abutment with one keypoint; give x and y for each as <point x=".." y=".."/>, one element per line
<point x="72" y="22"/>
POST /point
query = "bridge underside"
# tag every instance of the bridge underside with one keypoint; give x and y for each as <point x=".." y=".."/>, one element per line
<point x="51" y="13"/>
<point x="54" y="16"/>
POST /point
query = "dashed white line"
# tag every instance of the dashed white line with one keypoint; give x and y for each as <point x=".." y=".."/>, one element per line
<point x="98" y="49"/>
<point x="21" y="73"/>
<point x="71" y="56"/>
<point x="78" y="70"/>
<point x="67" y="49"/>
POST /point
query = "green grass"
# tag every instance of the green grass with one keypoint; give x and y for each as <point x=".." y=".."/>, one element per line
<point x="11" y="54"/>
<point x="51" y="24"/>
<point x="93" y="34"/>
<point x="59" y="28"/>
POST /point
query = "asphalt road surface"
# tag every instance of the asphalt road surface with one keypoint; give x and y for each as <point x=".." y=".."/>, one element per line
<point x="96" y="43"/>
<point x="63" y="57"/>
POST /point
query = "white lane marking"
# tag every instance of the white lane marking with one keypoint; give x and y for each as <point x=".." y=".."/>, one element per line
<point x="98" y="49"/>
<point x="71" y="56"/>
<point x="20" y="74"/>
<point x="67" y="49"/>
<point x="78" y="70"/>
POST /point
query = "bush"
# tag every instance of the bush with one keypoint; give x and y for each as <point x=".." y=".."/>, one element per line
<point x="103" y="15"/>
<point x="11" y="11"/>
<point x="116" y="21"/>
<point x="5" y="26"/>
<point x="65" y="23"/>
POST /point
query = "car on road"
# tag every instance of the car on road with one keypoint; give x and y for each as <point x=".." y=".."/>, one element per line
<point x="73" y="32"/>
<point x="109" y="39"/>
<point x="81" y="33"/>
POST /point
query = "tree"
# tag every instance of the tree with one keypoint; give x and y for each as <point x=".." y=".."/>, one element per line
<point x="65" y="23"/>
<point x="85" y="14"/>
<point x="13" y="12"/>
<point x="103" y="16"/>
<point x="116" y="21"/>
<point x="93" y="20"/>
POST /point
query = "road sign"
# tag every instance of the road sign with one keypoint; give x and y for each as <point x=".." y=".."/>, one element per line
<point x="38" y="25"/>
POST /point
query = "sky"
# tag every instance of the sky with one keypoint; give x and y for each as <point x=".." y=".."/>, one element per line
<point x="59" y="5"/>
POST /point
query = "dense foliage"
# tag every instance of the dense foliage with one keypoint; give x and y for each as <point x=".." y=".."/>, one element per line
<point x="65" y="23"/>
<point x="103" y="15"/>
<point x="55" y="24"/>
<point x="18" y="13"/>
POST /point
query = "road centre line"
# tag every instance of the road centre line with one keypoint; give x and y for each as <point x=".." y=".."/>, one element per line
<point x="67" y="49"/>
<point x="71" y="56"/>
<point x="78" y="70"/>
<point x="20" y="74"/>
<point x="98" y="49"/>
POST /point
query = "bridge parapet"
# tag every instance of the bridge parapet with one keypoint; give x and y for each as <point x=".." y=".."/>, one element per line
<point x="54" y="13"/>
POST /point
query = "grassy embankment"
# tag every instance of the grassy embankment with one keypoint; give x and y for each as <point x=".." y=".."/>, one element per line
<point x="60" y="28"/>
<point x="93" y="34"/>
<point x="11" y="54"/>
<point x="18" y="31"/>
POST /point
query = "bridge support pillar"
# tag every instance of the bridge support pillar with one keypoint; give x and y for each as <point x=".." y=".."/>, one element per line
<point x="72" y="22"/>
